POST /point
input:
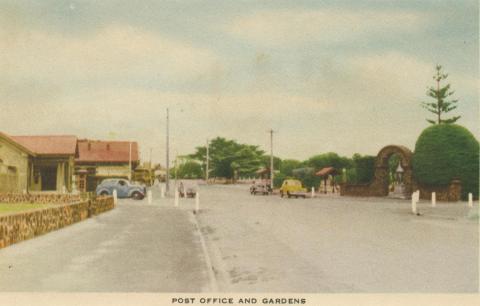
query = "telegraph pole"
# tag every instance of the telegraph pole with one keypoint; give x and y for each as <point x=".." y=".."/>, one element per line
<point x="129" y="160"/>
<point x="208" y="161"/>
<point x="271" y="158"/>
<point x="150" y="168"/>
<point x="167" y="177"/>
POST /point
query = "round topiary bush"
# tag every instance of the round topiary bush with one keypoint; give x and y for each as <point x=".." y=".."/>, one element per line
<point x="444" y="152"/>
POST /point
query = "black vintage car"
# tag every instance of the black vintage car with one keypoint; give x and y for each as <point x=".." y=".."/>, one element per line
<point x="187" y="191"/>
<point x="260" y="188"/>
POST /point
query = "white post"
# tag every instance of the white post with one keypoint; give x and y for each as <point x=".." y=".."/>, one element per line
<point x="313" y="192"/>
<point x="434" y="199"/>
<point x="149" y="196"/>
<point x="414" y="203"/>
<point x="162" y="192"/>
<point x="115" y="198"/>
<point x="470" y="200"/>
<point x="176" y="198"/>
<point x="197" y="202"/>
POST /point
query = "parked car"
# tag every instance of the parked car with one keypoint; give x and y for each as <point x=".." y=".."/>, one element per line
<point x="187" y="190"/>
<point x="260" y="188"/>
<point x="293" y="188"/>
<point x="124" y="188"/>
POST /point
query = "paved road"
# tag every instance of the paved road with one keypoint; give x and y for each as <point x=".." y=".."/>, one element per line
<point x="268" y="244"/>
<point x="255" y="244"/>
<point x="135" y="247"/>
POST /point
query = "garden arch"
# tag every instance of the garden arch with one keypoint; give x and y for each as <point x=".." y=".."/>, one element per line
<point x="380" y="181"/>
<point x="378" y="187"/>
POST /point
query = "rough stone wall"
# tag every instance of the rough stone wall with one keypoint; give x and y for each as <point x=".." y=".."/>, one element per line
<point x="450" y="193"/>
<point x="359" y="190"/>
<point x="40" y="198"/>
<point x="21" y="226"/>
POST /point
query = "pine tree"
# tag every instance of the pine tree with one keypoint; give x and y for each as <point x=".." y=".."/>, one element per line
<point x="440" y="94"/>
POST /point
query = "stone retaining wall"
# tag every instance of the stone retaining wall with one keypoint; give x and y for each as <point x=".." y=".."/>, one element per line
<point x="21" y="226"/>
<point x="39" y="198"/>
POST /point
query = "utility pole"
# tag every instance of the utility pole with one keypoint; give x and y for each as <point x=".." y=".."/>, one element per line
<point x="129" y="160"/>
<point x="150" y="168"/>
<point x="208" y="161"/>
<point x="167" y="176"/>
<point x="271" y="158"/>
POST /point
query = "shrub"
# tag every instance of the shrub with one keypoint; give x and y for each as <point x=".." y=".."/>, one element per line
<point x="363" y="169"/>
<point x="444" y="152"/>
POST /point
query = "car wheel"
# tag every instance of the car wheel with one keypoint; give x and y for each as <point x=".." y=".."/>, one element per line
<point x="137" y="195"/>
<point x="104" y="193"/>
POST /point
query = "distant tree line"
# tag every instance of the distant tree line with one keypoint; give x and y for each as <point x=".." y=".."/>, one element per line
<point x="232" y="160"/>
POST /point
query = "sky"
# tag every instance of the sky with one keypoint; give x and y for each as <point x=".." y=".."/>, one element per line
<point x="326" y="76"/>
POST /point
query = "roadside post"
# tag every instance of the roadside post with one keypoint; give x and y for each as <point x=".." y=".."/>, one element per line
<point x="434" y="199"/>
<point x="470" y="200"/>
<point x="415" y="198"/>
<point x="115" y="199"/>
<point x="313" y="192"/>
<point x="149" y="196"/>
<point x="197" y="202"/>
<point x="162" y="192"/>
<point x="176" y="198"/>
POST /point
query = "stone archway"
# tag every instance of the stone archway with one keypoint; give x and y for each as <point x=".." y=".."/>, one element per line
<point x="380" y="181"/>
<point x="378" y="187"/>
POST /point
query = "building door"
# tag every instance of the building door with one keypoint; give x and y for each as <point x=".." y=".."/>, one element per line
<point x="49" y="178"/>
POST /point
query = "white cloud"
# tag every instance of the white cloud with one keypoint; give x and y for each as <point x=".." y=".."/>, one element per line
<point x="115" y="51"/>
<point x="280" y="27"/>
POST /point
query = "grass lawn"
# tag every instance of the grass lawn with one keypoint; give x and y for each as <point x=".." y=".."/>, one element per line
<point x="6" y="208"/>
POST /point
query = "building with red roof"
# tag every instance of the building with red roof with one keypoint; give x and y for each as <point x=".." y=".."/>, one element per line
<point x="52" y="161"/>
<point x="99" y="159"/>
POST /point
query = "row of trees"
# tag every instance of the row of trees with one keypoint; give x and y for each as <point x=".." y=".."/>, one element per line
<point x="232" y="160"/>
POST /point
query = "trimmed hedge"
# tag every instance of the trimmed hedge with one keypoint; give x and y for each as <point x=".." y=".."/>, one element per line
<point x="444" y="152"/>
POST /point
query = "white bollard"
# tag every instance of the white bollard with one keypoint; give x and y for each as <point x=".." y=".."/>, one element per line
<point x="115" y="198"/>
<point x="64" y="190"/>
<point x="176" y="198"/>
<point x="434" y="199"/>
<point x="470" y="200"/>
<point x="162" y="192"/>
<point x="313" y="192"/>
<point x="149" y="196"/>
<point x="197" y="202"/>
<point x="414" y="203"/>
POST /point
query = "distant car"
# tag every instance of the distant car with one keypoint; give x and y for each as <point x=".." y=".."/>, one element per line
<point x="293" y="188"/>
<point x="187" y="190"/>
<point x="124" y="188"/>
<point x="260" y="188"/>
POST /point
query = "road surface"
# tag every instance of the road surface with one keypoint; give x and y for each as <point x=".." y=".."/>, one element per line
<point x="244" y="243"/>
